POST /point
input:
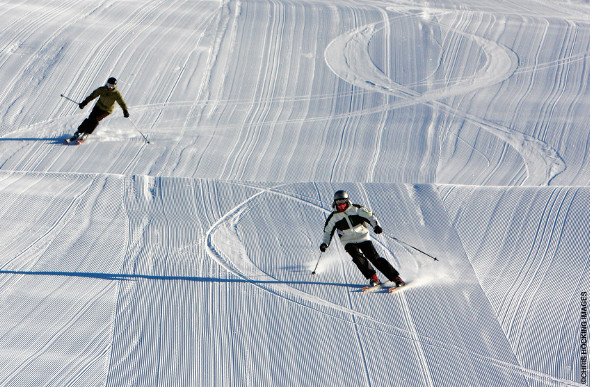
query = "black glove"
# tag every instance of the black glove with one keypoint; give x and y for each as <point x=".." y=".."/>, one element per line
<point x="82" y="104"/>
<point x="378" y="229"/>
<point x="125" y="114"/>
<point x="323" y="247"/>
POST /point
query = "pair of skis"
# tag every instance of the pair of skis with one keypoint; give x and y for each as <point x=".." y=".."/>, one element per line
<point x="390" y="286"/>
<point x="77" y="140"/>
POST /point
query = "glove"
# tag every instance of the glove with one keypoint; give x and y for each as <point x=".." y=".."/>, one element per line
<point x="125" y="114"/>
<point x="82" y="105"/>
<point x="323" y="247"/>
<point x="378" y="229"/>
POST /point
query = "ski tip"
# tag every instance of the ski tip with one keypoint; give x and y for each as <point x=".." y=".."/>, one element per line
<point x="396" y="288"/>
<point x="371" y="289"/>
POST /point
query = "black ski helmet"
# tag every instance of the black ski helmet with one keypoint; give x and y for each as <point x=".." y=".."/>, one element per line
<point x="111" y="82"/>
<point x="340" y="195"/>
<point x="343" y="199"/>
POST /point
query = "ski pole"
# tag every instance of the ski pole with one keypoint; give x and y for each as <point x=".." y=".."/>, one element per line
<point x="412" y="247"/>
<point x="143" y="135"/>
<point x="69" y="99"/>
<point x="316" y="265"/>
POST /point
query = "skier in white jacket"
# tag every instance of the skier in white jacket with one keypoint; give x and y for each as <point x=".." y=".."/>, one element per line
<point x="349" y="221"/>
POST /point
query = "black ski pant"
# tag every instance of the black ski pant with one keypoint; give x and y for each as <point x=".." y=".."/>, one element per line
<point x="89" y="124"/>
<point x="363" y="254"/>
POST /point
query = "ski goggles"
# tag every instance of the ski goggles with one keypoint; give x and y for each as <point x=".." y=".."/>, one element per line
<point x="341" y="204"/>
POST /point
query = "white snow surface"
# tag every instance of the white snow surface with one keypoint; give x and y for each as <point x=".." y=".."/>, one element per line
<point x="187" y="261"/>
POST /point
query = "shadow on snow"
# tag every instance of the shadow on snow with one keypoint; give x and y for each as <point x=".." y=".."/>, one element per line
<point x="132" y="277"/>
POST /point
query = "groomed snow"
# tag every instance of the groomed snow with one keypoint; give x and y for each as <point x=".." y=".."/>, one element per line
<point x="187" y="261"/>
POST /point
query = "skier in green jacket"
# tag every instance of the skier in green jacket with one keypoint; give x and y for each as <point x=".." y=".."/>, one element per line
<point x="107" y="96"/>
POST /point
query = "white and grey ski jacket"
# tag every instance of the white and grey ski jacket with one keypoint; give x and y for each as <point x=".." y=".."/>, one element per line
<point x="350" y="224"/>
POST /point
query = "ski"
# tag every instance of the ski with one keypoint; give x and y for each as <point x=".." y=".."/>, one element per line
<point x="76" y="139"/>
<point x="372" y="288"/>
<point x="390" y="286"/>
<point x="394" y="287"/>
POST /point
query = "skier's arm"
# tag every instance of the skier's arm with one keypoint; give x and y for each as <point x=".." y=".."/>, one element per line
<point x="92" y="96"/>
<point x="121" y="102"/>
<point x="329" y="229"/>
<point x="371" y="218"/>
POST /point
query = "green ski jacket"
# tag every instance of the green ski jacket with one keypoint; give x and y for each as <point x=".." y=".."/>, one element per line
<point x="107" y="99"/>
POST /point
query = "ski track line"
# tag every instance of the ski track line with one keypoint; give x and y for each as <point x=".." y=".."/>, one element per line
<point x="551" y="10"/>
<point x="238" y="269"/>
<point x="29" y="28"/>
<point x="224" y="21"/>
<point x="63" y="330"/>
<point x="60" y="220"/>
<point x="192" y="40"/>
<point x="558" y="225"/>
<point x="131" y="163"/>
<point x="548" y="225"/>
<point x="267" y="80"/>
<point x="137" y="22"/>
<point x="512" y="292"/>
<point x="416" y="341"/>
<point x="358" y="334"/>
<point x="348" y="57"/>
<point x="518" y="367"/>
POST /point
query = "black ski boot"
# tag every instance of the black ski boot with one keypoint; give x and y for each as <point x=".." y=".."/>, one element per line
<point x="75" y="137"/>
<point x="399" y="282"/>
<point x="374" y="280"/>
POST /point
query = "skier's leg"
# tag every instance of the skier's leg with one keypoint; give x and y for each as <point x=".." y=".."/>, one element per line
<point x="79" y="132"/>
<point x="359" y="260"/>
<point x="82" y="128"/>
<point x="380" y="263"/>
<point x="93" y="119"/>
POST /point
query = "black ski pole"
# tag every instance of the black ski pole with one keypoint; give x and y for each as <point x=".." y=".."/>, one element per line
<point x="143" y="135"/>
<point x="316" y="265"/>
<point x="412" y="247"/>
<point x="69" y="99"/>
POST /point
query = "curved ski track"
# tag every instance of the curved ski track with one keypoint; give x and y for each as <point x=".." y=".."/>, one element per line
<point x="244" y="268"/>
<point x="348" y="57"/>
